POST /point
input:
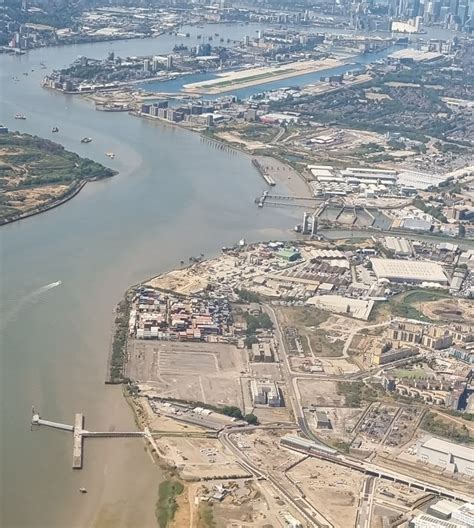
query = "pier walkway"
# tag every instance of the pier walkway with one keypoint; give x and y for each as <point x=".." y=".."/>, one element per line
<point x="79" y="434"/>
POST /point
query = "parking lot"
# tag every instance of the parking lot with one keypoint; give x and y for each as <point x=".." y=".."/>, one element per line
<point x="207" y="372"/>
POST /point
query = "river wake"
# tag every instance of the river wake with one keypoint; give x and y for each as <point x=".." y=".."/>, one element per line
<point x="30" y="298"/>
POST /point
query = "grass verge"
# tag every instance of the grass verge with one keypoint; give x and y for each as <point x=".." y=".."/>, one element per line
<point x="206" y="516"/>
<point x="166" y="505"/>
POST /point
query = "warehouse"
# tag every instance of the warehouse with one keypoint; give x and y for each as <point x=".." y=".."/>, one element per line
<point x="453" y="458"/>
<point x="413" y="271"/>
<point x="401" y="247"/>
<point x="289" y="254"/>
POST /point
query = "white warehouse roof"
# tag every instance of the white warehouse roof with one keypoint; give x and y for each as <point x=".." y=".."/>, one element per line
<point x="436" y="444"/>
<point x="408" y="270"/>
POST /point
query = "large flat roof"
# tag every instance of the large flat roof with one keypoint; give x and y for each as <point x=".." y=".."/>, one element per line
<point x="415" y="270"/>
<point x="436" y="444"/>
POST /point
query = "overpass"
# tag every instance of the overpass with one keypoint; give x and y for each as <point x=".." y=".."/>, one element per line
<point x="378" y="471"/>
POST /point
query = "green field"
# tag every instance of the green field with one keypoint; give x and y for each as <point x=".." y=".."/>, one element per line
<point x="206" y="516"/>
<point x="413" y="374"/>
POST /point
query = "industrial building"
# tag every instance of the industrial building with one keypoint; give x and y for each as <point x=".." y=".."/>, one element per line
<point x="445" y="514"/>
<point x="464" y="514"/>
<point x="368" y="175"/>
<point x="411" y="271"/>
<point x="322" y="420"/>
<point x="289" y="254"/>
<point x="443" y="509"/>
<point x="429" y="521"/>
<point x="265" y="392"/>
<point x="452" y="458"/>
<point x="401" y="247"/>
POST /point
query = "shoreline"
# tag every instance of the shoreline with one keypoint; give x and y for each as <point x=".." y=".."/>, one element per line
<point x="70" y="194"/>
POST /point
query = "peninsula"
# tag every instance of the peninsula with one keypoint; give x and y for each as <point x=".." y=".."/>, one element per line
<point x="37" y="174"/>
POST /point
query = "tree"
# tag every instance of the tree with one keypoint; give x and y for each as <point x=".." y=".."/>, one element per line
<point x="251" y="419"/>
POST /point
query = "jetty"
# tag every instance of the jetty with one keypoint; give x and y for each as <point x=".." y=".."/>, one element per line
<point x="79" y="434"/>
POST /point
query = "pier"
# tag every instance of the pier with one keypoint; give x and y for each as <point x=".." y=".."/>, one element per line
<point x="77" y="442"/>
<point x="79" y="434"/>
<point x="263" y="173"/>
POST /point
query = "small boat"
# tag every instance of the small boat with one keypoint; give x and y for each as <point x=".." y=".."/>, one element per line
<point x="83" y="490"/>
<point x="54" y="130"/>
<point x="20" y="116"/>
<point x="86" y="140"/>
<point x="111" y="155"/>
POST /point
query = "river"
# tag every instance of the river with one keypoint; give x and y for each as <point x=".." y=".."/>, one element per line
<point x="175" y="196"/>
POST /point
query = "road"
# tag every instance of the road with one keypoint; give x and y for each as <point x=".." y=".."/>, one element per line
<point x="290" y="381"/>
<point x="364" y="514"/>
<point x="300" y="503"/>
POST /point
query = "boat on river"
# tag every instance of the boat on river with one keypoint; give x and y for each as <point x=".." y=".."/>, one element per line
<point x="111" y="155"/>
<point x="83" y="490"/>
<point x="20" y="116"/>
<point x="86" y="140"/>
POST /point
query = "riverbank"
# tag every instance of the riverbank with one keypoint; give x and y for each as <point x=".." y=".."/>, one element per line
<point x="73" y="191"/>
<point x="110" y="236"/>
<point x="285" y="176"/>
<point x="39" y="175"/>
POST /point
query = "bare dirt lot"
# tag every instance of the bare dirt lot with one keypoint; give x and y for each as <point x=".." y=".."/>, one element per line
<point x="458" y="310"/>
<point x="320" y="393"/>
<point x="332" y="489"/>
<point x="199" y="458"/>
<point x="247" y="503"/>
<point x="206" y="372"/>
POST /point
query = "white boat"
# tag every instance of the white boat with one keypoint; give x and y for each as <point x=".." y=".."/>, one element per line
<point x="111" y="155"/>
<point x="83" y="490"/>
<point x="20" y="116"/>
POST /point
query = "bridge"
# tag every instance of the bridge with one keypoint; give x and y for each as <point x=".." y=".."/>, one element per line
<point x="381" y="472"/>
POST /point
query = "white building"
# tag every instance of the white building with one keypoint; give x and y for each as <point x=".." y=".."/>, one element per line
<point x="428" y="521"/>
<point x="413" y="271"/>
<point x="452" y="458"/>
<point x="464" y="514"/>
<point x="265" y="392"/>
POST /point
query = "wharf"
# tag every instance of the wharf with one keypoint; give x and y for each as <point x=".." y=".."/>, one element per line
<point x="79" y="434"/>
<point x="78" y="443"/>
